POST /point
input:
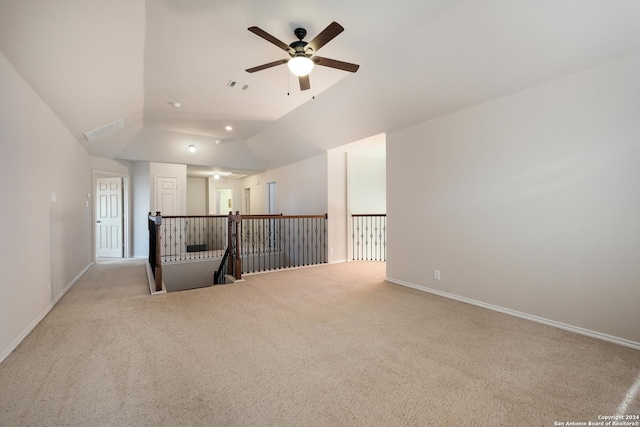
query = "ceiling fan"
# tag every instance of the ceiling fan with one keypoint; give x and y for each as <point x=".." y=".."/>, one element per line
<point x="303" y="54"/>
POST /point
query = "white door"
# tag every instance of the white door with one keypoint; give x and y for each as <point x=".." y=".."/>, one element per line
<point x="109" y="217"/>
<point x="167" y="195"/>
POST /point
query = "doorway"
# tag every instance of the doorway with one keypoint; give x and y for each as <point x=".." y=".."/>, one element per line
<point x="246" y="202"/>
<point x="109" y="218"/>
<point x="167" y="195"/>
<point x="271" y="197"/>
<point x="223" y="202"/>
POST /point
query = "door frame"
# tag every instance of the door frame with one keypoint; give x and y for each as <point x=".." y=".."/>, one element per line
<point x="246" y="201"/>
<point x="233" y="202"/>
<point x="126" y="206"/>
<point x="271" y="186"/>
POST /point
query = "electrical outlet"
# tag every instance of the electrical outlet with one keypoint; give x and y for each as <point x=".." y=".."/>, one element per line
<point x="49" y="287"/>
<point x="436" y="274"/>
<point x="331" y="251"/>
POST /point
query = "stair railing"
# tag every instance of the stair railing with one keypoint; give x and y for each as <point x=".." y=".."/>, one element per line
<point x="369" y="234"/>
<point x="189" y="237"/>
<point x="273" y="242"/>
<point x="254" y="243"/>
<point x="219" y="276"/>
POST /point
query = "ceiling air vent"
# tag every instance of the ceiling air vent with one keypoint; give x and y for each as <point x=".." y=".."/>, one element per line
<point x="235" y="85"/>
<point x="105" y="129"/>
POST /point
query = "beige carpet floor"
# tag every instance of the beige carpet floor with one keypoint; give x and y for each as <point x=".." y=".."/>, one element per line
<point x="326" y="346"/>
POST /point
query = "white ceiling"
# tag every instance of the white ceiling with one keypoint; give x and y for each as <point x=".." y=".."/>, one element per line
<point x="95" y="61"/>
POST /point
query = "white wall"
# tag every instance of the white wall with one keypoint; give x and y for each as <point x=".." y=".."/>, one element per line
<point x="118" y="167"/>
<point x="196" y="196"/>
<point x="42" y="241"/>
<point x="301" y="188"/>
<point x="529" y="202"/>
<point x="141" y="208"/>
<point x="367" y="184"/>
<point x="337" y="205"/>
<point x="356" y="179"/>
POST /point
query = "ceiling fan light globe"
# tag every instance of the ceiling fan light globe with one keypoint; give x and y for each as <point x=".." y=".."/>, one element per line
<point x="300" y="65"/>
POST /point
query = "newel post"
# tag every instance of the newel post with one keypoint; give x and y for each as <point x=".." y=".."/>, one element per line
<point x="238" y="259"/>
<point x="233" y="235"/>
<point x="158" y="270"/>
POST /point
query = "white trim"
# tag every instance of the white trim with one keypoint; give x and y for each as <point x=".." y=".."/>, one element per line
<point x="267" y="192"/>
<point x="152" y="281"/>
<point x="296" y="267"/>
<point x="548" y="322"/>
<point x="126" y="195"/>
<point x="41" y="316"/>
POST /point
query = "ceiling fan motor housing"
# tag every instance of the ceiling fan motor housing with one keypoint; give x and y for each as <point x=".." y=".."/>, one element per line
<point x="299" y="49"/>
<point x="300" y="33"/>
<point x="299" y="46"/>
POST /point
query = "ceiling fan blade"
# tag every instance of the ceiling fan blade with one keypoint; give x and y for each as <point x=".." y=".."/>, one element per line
<point x="265" y="66"/>
<point x="268" y="37"/>
<point x="334" y="63"/>
<point x="325" y="36"/>
<point x="304" y="82"/>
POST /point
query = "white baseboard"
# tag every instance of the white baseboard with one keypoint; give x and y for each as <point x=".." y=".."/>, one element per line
<point x="559" y="325"/>
<point x="41" y="316"/>
<point x="152" y="282"/>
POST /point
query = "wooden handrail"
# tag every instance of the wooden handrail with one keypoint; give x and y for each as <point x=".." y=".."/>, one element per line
<point x="368" y="214"/>
<point x="195" y="216"/>
<point x="325" y="216"/>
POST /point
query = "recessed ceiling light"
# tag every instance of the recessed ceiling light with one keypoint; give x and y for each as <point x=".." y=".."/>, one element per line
<point x="175" y="104"/>
<point x="192" y="148"/>
<point x="228" y="127"/>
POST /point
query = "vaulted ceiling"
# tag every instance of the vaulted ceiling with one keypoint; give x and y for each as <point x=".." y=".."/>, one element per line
<point x="96" y="61"/>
